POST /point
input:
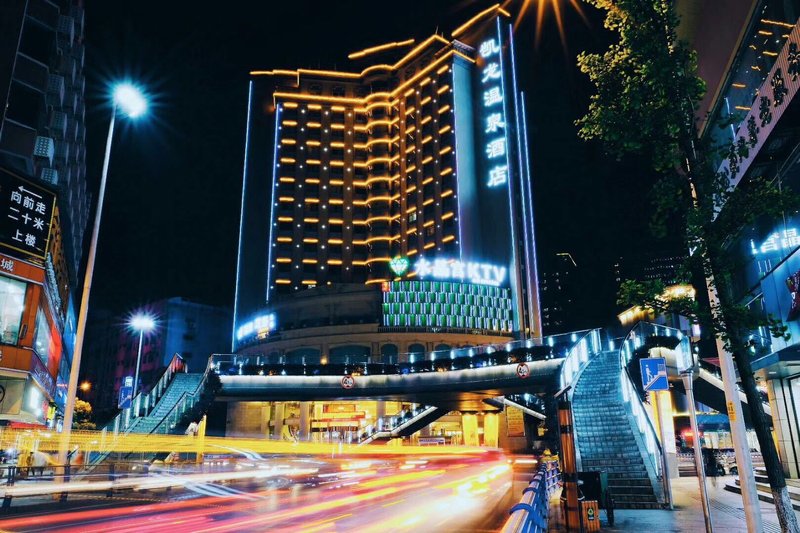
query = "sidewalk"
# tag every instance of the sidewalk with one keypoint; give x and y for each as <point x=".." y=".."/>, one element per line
<point x="726" y="512"/>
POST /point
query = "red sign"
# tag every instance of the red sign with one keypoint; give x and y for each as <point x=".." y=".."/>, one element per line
<point x="523" y="370"/>
<point x="339" y="408"/>
<point x="348" y="382"/>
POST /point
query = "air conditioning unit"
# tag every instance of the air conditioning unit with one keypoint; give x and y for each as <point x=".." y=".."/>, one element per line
<point x="44" y="148"/>
<point x="49" y="175"/>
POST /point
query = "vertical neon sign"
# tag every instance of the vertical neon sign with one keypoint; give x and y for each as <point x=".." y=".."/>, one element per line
<point x="494" y="123"/>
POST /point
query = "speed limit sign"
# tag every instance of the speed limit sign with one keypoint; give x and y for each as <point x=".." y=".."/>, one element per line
<point x="348" y="382"/>
<point x="523" y="370"/>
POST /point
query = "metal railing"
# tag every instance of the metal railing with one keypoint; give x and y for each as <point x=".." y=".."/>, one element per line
<point x="146" y="401"/>
<point x="632" y="342"/>
<point x="531" y="513"/>
<point x="186" y="401"/>
<point x="529" y="350"/>
<point x="578" y="355"/>
<point x="387" y="426"/>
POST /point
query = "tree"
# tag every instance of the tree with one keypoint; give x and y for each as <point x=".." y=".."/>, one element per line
<point x="83" y="415"/>
<point x="645" y="104"/>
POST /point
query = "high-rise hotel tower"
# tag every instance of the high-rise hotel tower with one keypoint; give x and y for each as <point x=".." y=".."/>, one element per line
<point x="388" y="211"/>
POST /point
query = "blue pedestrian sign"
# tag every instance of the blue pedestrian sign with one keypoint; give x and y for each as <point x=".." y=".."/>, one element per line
<point x="654" y="373"/>
<point x="125" y="397"/>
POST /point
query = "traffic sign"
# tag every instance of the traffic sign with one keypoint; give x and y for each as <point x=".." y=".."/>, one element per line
<point x="523" y="370"/>
<point x="125" y="397"/>
<point x="654" y="373"/>
<point x="348" y="382"/>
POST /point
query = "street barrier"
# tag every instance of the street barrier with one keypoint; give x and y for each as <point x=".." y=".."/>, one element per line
<point x="531" y="513"/>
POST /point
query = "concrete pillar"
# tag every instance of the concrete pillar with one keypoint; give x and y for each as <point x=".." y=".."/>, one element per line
<point x="490" y="430"/>
<point x="781" y="394"/>
<point x="277" y="428"/>
<point x="469" y="428"/>
<point x="305" y="421"/>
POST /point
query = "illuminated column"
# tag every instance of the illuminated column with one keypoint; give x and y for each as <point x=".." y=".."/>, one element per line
<point x="469" y="428"/>
<point x="305" y="421"/>
<point x="277" y="428"/>
<point x="490" y="430"/>
<point x="783" y="412"/>
<point x="380" y="413"/>
<point x="666" y="421"/>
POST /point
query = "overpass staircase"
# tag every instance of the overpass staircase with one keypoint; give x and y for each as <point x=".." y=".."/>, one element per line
<point x="608" y="437"/>
<point x="160" y="411"/>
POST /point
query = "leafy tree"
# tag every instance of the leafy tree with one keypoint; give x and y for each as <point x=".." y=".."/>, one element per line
<point x="83" y="415"/>
<point x="645" y="104"/>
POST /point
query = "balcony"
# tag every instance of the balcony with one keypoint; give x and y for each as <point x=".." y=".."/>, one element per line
<point x="32" y="73"/>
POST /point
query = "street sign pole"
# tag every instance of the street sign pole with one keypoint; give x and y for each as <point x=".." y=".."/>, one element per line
<point x="698" y="458"/>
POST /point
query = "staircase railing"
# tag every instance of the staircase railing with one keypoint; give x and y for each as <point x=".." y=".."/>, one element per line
<point x="633" y="341"/>
<point x="126" y="419"/>
<point x="388" y="425"/>
<point x="186" y="401"/>
<point x="145" y="401"/>
<point x="586" y="343"/>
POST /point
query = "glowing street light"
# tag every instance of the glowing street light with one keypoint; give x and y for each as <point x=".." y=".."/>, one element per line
<point x="86" y="386"/>
<point x="141" y="323"/>
<point x="130" y="101"/>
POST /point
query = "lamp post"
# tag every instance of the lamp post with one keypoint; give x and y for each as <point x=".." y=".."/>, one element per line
<point x="128" y="100"/>
<point x="143" y="324"/>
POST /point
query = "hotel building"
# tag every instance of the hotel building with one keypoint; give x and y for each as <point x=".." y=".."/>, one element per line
<point x="388" y="210"/>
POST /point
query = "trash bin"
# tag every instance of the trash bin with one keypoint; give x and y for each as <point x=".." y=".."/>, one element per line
<point x="591" y="515"/>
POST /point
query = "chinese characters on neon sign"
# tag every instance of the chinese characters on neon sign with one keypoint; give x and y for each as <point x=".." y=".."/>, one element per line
<point x="261" y="326"/>
<point x="494" y="120"/>
<point x="462" y="271"/>
<point x="783" y="240"/>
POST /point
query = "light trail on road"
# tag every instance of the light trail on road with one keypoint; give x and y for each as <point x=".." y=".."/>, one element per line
<point x="364" y="496"/>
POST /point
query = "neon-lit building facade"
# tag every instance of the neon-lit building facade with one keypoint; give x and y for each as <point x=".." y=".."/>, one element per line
<point x="410" y="171"/>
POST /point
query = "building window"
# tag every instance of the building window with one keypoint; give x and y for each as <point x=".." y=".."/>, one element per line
<point x="12" y="303"/>
<point x="42" y="342"/>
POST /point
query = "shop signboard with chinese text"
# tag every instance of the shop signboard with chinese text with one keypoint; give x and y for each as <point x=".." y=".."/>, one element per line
<point x="26" y="213"/>
<point x="42" y="375"/>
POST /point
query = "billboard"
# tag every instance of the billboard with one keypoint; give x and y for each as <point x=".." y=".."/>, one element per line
<point x="26" y="211"/>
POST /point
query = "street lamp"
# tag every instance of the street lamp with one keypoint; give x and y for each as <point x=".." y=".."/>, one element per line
<point x="86" y="386"/>
<point x="129" y="101"/>
<point x="143" y="324"/>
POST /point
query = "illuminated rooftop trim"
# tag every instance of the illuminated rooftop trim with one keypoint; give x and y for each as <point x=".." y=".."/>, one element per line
<point x="461" y="29"/>
<point x="380" y="48"/>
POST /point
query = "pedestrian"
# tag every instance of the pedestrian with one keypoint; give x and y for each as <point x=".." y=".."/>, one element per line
<point x="27" y="464"/>
<point x="38" y="461"/>
<point x="192" y="429"/>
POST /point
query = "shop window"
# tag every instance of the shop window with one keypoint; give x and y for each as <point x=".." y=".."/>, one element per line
<point x="12" y="303"/>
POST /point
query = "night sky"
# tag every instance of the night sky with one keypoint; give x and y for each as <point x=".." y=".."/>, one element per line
<point x="170" y="225"/>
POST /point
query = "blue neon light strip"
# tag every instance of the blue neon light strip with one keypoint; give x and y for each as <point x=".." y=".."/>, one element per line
<point x="536" y="308"/>
<point x="527" y="212"/>
<point x="272" y="199"/>
<point x="515" y="279"/>
<point x="241" y="216"/>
